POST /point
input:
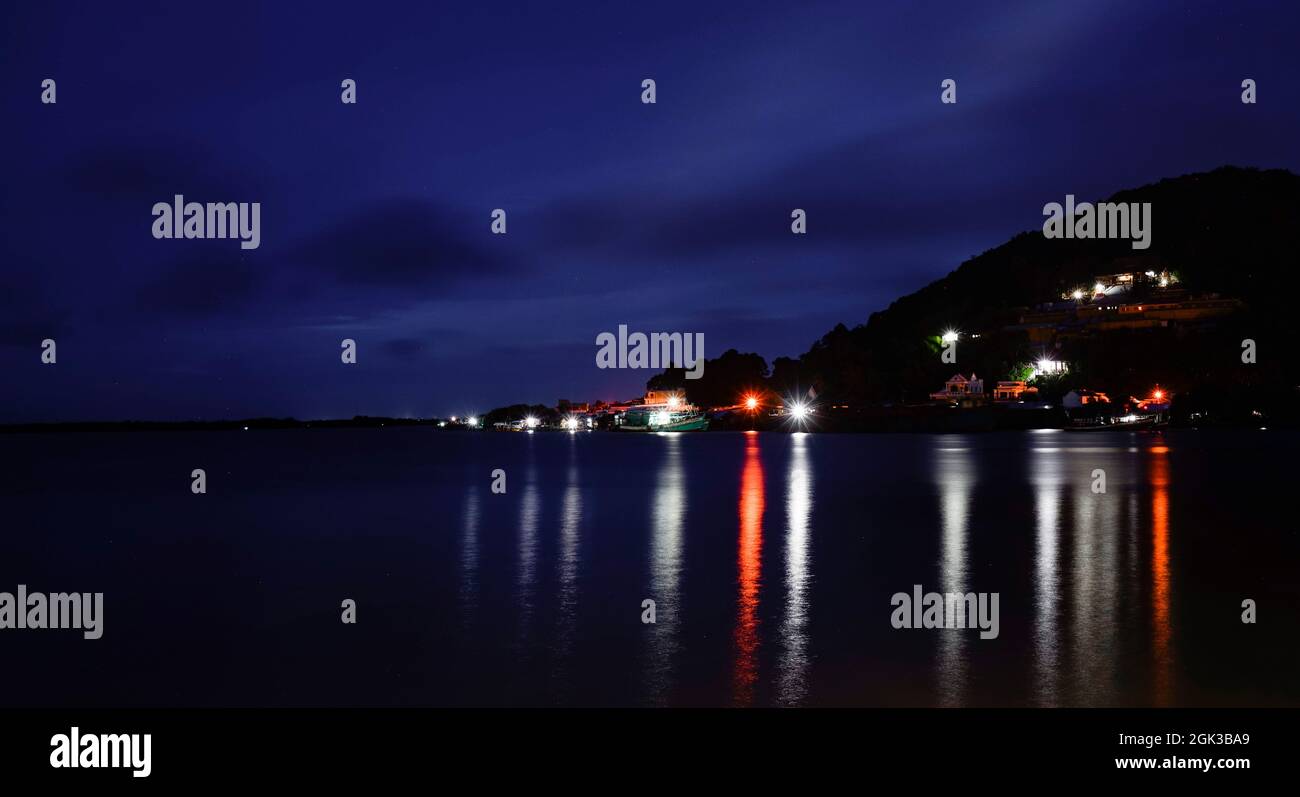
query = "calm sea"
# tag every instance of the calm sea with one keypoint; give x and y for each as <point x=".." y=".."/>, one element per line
<point x="771" y="559"/>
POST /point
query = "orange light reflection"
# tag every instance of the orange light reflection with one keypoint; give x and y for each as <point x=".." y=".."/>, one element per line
<point x="752" y="502"/>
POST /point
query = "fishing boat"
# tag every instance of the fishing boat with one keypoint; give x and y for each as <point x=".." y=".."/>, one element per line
<point x="1148" y="413"/>
<point x="663" y="411"/>
<point x="1131" y="421"/>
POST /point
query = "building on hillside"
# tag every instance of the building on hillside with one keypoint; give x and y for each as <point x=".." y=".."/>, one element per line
<point x="959" y="387"/>
<point x="1078" y="398"/>
<point x="664" y="397"/>
<point x="1014" y="391"/>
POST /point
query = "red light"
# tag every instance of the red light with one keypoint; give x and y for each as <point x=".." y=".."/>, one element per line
<point x="750" y="402"/>
<point x="1158" y="394"/>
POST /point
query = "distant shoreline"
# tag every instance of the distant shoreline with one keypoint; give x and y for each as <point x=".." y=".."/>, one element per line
<point x="203" y="426"/>
<point x="933" y="421"/>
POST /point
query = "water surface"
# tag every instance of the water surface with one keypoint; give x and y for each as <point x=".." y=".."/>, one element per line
<point x="771" y="559"/>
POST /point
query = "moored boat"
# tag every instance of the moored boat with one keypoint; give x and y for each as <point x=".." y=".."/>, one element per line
<point x="663" y="412"/>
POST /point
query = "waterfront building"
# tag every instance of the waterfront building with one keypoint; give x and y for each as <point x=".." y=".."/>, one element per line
<point x="1014" y="391"/>
<point x="1078" y="398"/>
<point x="959" y="387"/>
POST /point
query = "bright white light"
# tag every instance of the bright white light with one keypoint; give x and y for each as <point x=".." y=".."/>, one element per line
<point x="1077" y="294"/>
<point x="1164" y="283"/>
<point x="571" y="424"/>
<point x="453" y="419"/>
<point x="673" y="401"/>
<point x="441" y="424"/>
<point x="799" y="411"/>
<point x="1098" y="288"/>
<point x="472" y="421"/>
<point x="950" y="336"/>
<point x="531" y="422"/>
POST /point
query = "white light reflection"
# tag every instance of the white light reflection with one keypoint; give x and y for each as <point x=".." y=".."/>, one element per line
<point x="667" y="512"/>
<point x="793" y="686"/>
<point x="955" y="477"/>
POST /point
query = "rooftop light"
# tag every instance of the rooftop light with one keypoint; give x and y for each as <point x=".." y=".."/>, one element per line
<point x="950" y="336"/>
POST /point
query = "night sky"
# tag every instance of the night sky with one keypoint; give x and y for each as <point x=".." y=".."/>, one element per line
<point x="666" y="217"/>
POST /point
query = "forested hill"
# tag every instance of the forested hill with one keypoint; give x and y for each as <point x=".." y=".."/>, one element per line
<point x="1232" y="231"/>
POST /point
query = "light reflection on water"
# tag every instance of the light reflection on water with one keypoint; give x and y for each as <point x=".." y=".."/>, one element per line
<point x="793" y="687"/>
<point x="1160" y="580"/>
<point x="772" y="558"/>
<point x="750" y="556"/>
<point x="569" y="561"/>
<point x="668" y="511"/>
<point x="1047" y="474"/>
<point x="1082" y="593"/>
<point x="956" y="482"/>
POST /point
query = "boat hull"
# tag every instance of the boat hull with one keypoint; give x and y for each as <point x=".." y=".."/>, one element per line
<point x="692" y="425"/>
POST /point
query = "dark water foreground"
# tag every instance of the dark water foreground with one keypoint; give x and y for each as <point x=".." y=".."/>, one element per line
<point x="771" y="559"/>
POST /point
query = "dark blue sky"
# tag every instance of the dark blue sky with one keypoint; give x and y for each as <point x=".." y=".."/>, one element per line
<point x="665" y="217"/>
